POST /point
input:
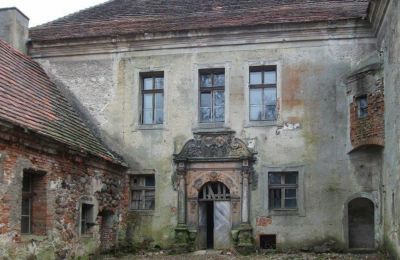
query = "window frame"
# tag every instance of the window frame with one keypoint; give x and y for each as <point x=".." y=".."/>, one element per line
<point x="262" y="86"/>
<point x="283" y="186"/>
<point x="362" y="112"/>
<point x="142" y="188"/>
<point x="86" y="219"/>
<point x="153" y="75"/>
<point x="212" y="90"/>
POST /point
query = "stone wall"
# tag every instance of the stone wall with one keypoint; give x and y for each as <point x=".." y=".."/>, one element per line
<point x="63" y="180"/>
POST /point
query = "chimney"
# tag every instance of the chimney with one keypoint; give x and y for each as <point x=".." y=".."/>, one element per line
<point x="14" y="28"/>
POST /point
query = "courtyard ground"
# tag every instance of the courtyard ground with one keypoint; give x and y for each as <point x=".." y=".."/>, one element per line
<point x="221" y="255"/>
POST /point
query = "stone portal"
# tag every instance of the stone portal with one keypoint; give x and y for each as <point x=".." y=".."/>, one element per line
<point x="213" y="173"/>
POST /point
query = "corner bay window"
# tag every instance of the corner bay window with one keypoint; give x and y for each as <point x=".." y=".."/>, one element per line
<point x="142" y="192"/>
<point x="282" y="190"/>
<point x="262" y="83"/>
<point x="152" y="98"/>
<point x="212" y="96"/>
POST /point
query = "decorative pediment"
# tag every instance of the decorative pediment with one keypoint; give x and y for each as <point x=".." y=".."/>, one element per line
<point x="215" y="146"/>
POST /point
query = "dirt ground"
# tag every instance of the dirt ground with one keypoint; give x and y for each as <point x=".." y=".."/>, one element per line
<point x="220" y="255"/>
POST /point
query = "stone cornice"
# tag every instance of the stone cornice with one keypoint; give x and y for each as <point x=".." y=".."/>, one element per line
<point x="277" y="33"/>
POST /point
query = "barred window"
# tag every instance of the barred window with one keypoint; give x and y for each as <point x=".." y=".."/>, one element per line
<point x="142" y="192"/>
<point x="283" y="190"/>
<point x="262" y="83"/>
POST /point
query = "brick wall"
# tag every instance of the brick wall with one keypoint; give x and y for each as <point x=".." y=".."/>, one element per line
<point x="67" y="177"/>
<point x="368" y="130"/>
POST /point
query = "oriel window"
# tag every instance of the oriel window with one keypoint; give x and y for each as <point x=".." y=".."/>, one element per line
<point x="152" y="98"/>
<point x="262" y="84"/>
<point x="212" y="96"/>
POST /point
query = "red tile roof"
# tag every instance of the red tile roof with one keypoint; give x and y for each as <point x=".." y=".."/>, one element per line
<point x="121" y="17"/>
<point x="29" y="99"/>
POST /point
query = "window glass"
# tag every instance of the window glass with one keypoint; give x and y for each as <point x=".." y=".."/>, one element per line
<point x="149" y="199"/>
<point x="255" y="78"/>
<point x="282" y="190"/>
<point x="274" y="178"/>
<point x="148" y="83"/>
<point x="270" y="96"/>
<point x="206" y="81"/>
<point x="159" y="83"/>
<point x="219" y="106"/>
<point x="136" y="199"/>
<point x="291" y="178"/>
<point x="150" y="181"/>
<point x="256" y="97"/>
<point x="219" y="80"/>
<point x="275" y="198"/>
<point x="270" y="77"/>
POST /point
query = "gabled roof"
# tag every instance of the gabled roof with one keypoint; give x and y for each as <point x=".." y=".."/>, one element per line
<point x="30" y="100"/>
<point x="122" y="17"/>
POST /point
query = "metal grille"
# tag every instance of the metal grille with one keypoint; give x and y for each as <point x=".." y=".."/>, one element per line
<point x="214" y="191"/>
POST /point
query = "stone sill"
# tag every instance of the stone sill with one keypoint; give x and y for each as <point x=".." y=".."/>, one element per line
<point x="151" y="127"/>
<point x="260" y="124"/>
<point x="284" y="212"/>
<point x="141" y="212"/>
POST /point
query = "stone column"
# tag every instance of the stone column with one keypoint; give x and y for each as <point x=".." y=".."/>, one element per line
<point x="245" y="194"/>
<point x="181" y="199"/>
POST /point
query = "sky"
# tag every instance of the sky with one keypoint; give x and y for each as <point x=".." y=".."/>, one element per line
<point x="42" y="11"/>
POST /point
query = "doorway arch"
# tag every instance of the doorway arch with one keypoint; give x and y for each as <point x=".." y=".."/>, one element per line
<point x="361" y="223"/>
<point x="214" y="215"/>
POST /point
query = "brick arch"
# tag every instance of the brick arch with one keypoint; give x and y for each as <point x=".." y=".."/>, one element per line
<point x="195" y="186"/>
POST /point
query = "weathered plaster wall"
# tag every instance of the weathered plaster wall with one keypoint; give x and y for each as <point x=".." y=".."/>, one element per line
<point x="388" y="41"/>
<point x="311" y="131"/>
<point x="69" y="179"/>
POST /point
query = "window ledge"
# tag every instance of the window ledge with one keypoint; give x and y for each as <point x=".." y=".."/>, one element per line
<point x="141" y="212"/>
<point x="220" y="126"/>
<point x="151" y="127"/>
<point x="261" y="123"/>
<point x="284" y="212"/>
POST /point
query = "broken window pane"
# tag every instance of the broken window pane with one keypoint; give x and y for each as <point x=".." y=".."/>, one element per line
<point x="205" y="114"/>
<point x="136" y="199"/>
<point x="219" y="80"/>
<point x="270" y="77"/>
<point x="206" y="81"/>
<point x="149" y="199"/>
<point x="148" y="83"/>
<point x="270" y="96"/>
<point x="255" y="78"/>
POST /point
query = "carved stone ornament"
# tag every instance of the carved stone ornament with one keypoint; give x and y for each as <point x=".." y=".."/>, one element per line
<point x="210" y="146"/>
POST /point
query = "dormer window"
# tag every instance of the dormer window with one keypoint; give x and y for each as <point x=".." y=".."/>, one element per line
<point x="362" y="106"/>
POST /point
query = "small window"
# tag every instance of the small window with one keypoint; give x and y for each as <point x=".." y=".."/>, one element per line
<point x="143" y="192"/>
<point x="282" y="190"/>
<point x="152" y="98"/>
<point x="362" y="106"/>
<point x="26" y="207"/>
<point x="268" y="242"/>
<point x="212" y="96"/>
<point x="262" y="83"/>
<point x="87" y="218"/>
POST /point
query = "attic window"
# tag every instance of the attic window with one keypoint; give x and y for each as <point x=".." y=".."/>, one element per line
<point x="362" y="106"/>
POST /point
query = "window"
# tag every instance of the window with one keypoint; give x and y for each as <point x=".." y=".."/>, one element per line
<point x="268" y="241"/>
<point x="26" y="207"/>
<point x="212" y="96"/>
<point x="362" y="105"/>
<point x="262" y="93"/>
<point x="282" y="190"/>
<point x="143" y="192"/>
<point x="87" y="218"/>
<point x="152" y="98"/>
